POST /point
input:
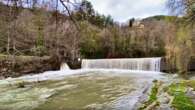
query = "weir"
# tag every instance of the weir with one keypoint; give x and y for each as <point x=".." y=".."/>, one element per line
<point x="143" y="64"/>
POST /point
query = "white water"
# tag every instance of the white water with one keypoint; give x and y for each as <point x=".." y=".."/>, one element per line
<point x="145" y="64"/>
<point x="138" y="66"/>
<point x="64" y="66"/>
<point x="59" y="75"/>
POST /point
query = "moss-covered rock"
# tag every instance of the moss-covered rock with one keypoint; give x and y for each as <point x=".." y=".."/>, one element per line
<point x="152" y="101"/>
<point x="179" y="91"/>
<point x="178" y="95"/>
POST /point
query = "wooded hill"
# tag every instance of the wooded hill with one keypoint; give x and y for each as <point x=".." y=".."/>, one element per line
<point x="45" y="31"/>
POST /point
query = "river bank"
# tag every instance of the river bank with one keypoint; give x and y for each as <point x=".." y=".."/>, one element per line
<point x="14" y="66"/>
<point x="172" y="94"/>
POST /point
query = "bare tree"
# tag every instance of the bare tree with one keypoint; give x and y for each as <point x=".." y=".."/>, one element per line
<point x="64" y="4"/>
<point x="183" y="7"/>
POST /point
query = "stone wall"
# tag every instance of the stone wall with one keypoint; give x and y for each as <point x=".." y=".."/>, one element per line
<point x="165" y="67"/>
<point x="192" y="65"/>
<point x="20" y="65"/>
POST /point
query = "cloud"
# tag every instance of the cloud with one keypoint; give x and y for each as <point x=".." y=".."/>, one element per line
<point x="122" y="10"/>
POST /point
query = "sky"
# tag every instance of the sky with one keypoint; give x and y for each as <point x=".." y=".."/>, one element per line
<point x="122" y="10"/>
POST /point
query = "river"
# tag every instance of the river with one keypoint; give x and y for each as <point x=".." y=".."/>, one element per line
<point x="88" y="89"/>
<point x="105" y="84"/>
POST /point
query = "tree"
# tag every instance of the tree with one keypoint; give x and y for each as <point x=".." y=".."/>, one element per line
<point x="86" y="12"/>
<point x="131" y="21"/>
<point x="184" y="40"/>
<point x="183" y="7"/>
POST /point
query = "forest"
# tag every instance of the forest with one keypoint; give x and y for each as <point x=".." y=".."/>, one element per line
<point x="71" y="30"/>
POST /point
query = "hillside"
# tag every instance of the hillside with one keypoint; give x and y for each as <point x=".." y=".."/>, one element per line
<point x="45" y="31"/>
<point x="160" y="17"/>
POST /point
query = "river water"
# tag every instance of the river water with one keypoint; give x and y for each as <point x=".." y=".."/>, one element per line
<point x="104" y="84"/>
<point x="85" y="89"/>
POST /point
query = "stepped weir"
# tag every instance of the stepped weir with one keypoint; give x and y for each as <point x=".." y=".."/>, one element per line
<point x="142" y="64"/>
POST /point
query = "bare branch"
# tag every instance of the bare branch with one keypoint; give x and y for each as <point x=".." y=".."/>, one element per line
<point x="69" y="13"/>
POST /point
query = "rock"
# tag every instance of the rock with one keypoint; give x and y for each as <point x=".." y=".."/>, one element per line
<point x="163" y="98"/>
<point x="190" y="89"/>
<point x="175" y="76"/>
<point x="4" y="70"/>
<point x="1" y="77"/>
<point x="165" y="107"/>
<point x="190" y="93"/>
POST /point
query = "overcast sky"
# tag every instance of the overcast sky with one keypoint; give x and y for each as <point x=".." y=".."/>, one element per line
<point x="122" y="10"/>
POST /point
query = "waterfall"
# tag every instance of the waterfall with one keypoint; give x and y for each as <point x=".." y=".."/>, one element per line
<point x="145" y="64"/>
<point x="64" y="66"/>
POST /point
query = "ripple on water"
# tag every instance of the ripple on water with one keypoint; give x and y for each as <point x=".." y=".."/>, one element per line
<point x="96" y="89"/>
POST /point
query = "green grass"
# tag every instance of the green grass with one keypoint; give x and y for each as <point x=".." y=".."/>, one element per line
<point x="152" y="96"/>
<point x="180" y="101"/>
